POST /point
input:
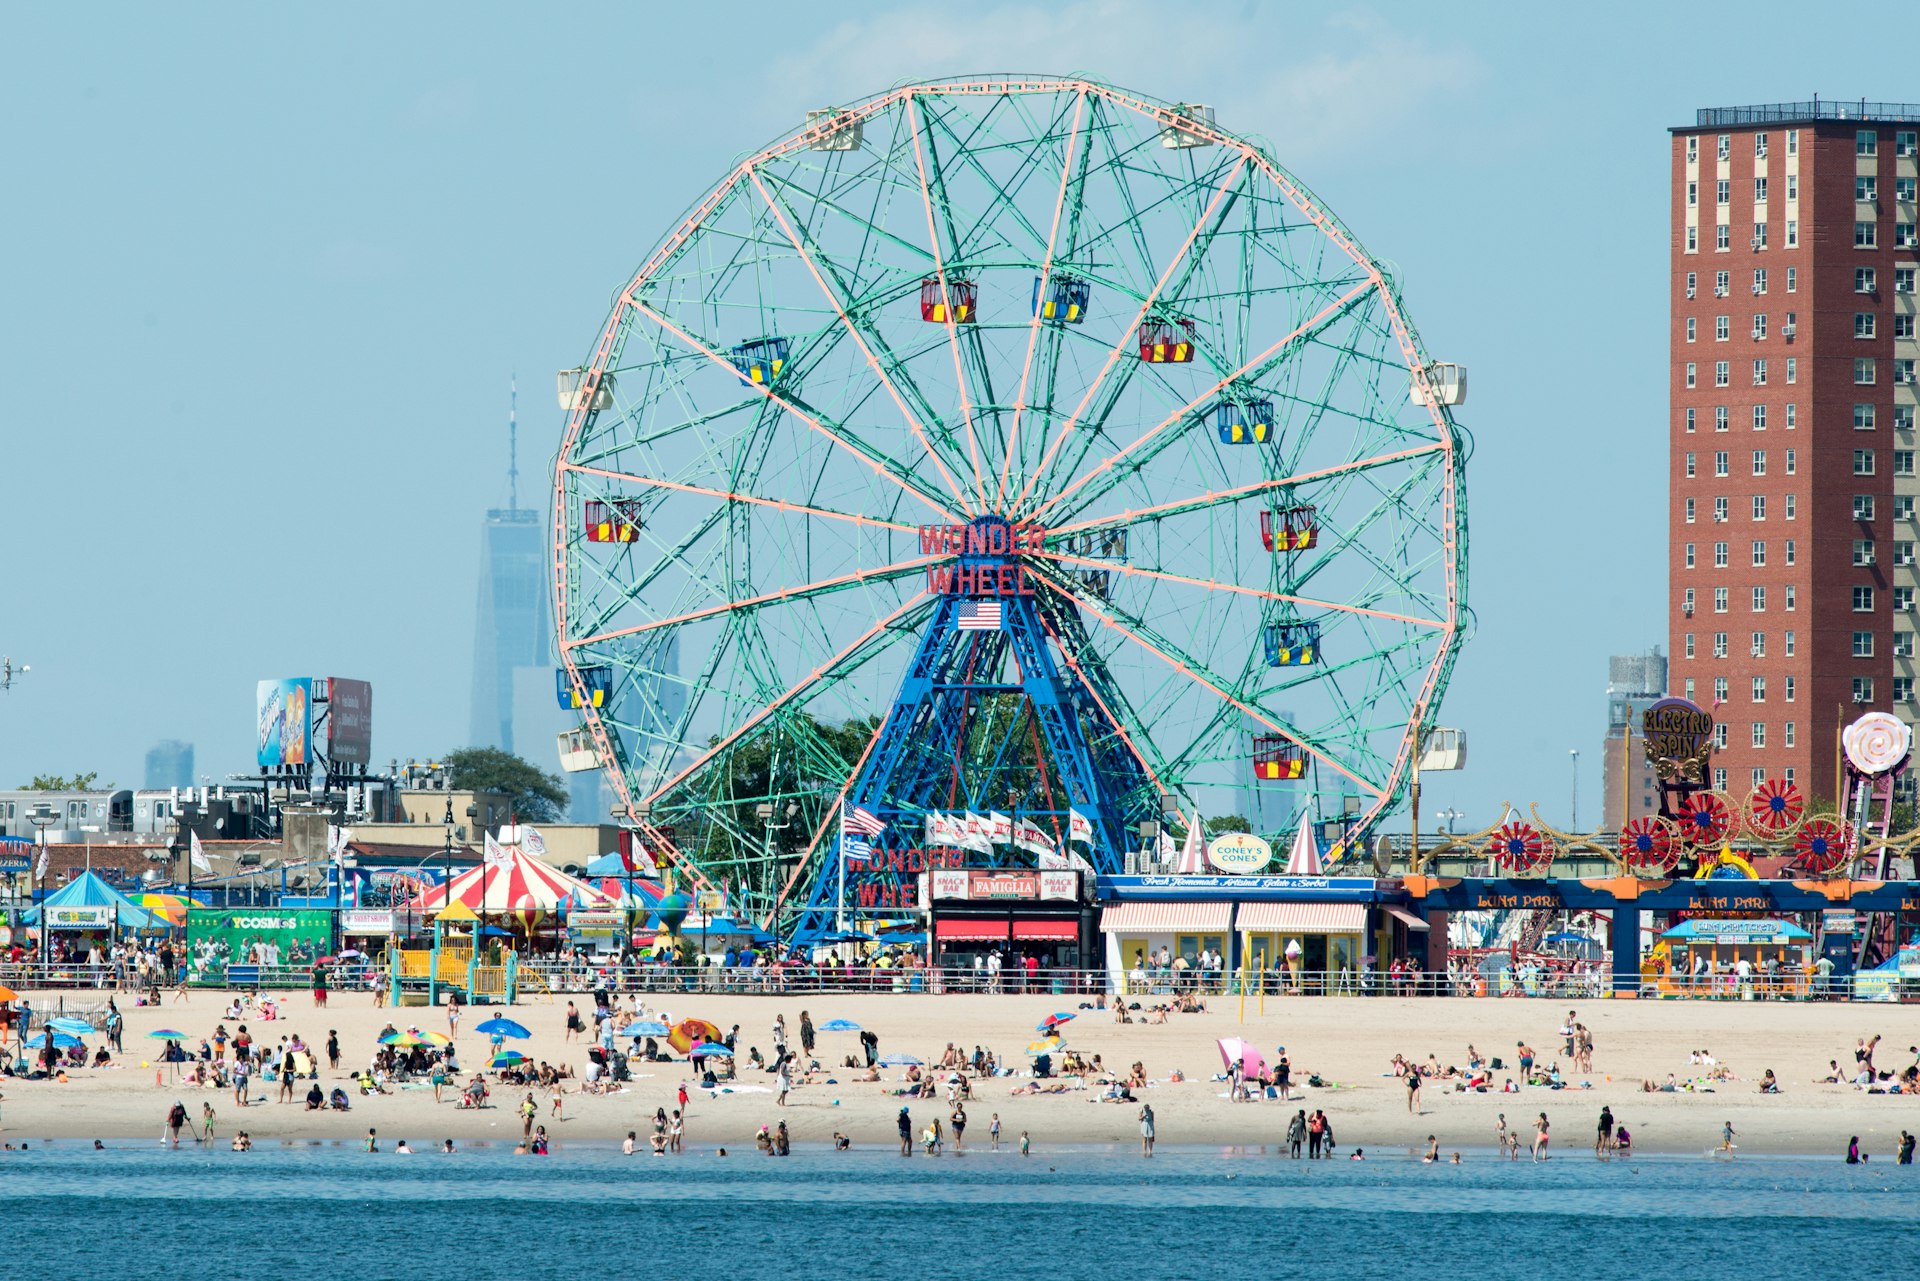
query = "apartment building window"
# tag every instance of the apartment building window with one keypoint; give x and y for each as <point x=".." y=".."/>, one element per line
<point x="1863" y="462"/>
<point x="1903" y="644"/>
<point x="1719" y="600"/>
<point x="1720" y="773"/>
<point x="1864" y="281"/>
<point x="1760" y="411"/>
<point x="1863" y="371"/>
<point x="1689" y="645"/>
<point x="1866" y="187"/>
<point x="1863" y="324"/>
<point x="1903" y="326"/>
<point x="1903" y="372"/>
<point x="1693" y="240"/>
<point x="1721" y="192"/>
<point x="1759" y="554"/>
<point x="1902" y="600"/>
<point x="1759" y="280"/>
<point x="1789" y="550"/>
<point x="1793" y="280"/>
<point x="1759" y="506"/>
<point x="1689" y="464"/>
<point x="1903" y="551"/>
<point x="1760" y="461"/>
<point x="1862" y="417"/>
<point x="1692" y="373"/>
<point x="1904" y="142"/>
<point x="1720" y="690"/>
<point x="1758" y="648"/>
<point x="1866" y="235"/>
<point x="1863" y="506"/>
<point x="1903" y="462"/>
<point x="1689" y="556"/>
<point x="1722" y="376"/>
<point x="1903" y="507"/>
<point x="1903" y="417"/>
<point x="1759" y="235"/>
<point x="1863" y="600"/>
<point x="1759" y="191"/>
<point x="1722" y="328"/>
<point x="1758" y="775"/>
<point x="1692" y="329"/>
<point x="1722" y="238"/>
<point x="1793" y="376"/>
<point x="1903" y="190"/>
<point x="1689" y="418"/>
<point x="1688" y="695"/>
<point x="1719" y="644"/>
<point x="1759" y="689"/>
<point x="1863" y="644"/>
<point x="1903" y="689"/>
<point x="1903" y="280"/>
<point x="1787" y="692"/>
<point x="1863" y="689"/>
<point x="1786" y="739"/>
<point x="1792" y="461"/>
<point x="1719" y="555"/>
<point x="1720" y="462"/>
<point x="1866" y="142"/>
<point x="1759" y="601"/>
<point x="1693" y="150"/>
<point x="1720" y="411"/>
<point x="1693" y="195"/>
<point x="1863" y="552"/>
<point x="1722" y="283"/>
<point x="1786" y="647"/>
<point x="1760" y="146"/>
<point x="1793" y="233"/>
<point x="1686" y="601"/>
<point x="1793" y="142"/>
<point x="1789" y="512"/>
<point x="1689" y="511"/>
<point x="1759" y="734"/>
<point x="1903" y="237"/>
<point x="1760" y="380"/>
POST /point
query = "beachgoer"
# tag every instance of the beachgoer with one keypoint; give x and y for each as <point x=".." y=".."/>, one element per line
<point x="993" y="1131"/>
<point x="1540" y="1138"/>
<point x="1905" y="1156"/>
<point x="1604" y="1137"/>
<point x="1433" y="1151"/>
<point x="1296" y="1133"/>
<point x="1726" y="1137"/>
<point x="1853" y="1151"/>
<point x="1413" y="1092"/>
<point x="176" y="1120"/>
<point x="1026" y="1144"/>
<point x="958" y="1119"/>
<point x="905" y="1121"/>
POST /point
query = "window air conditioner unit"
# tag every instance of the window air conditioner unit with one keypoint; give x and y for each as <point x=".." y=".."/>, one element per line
<point x="1756" y="291"/>
<point x="1759" y="334"/>
<point x="1786" y="331"/>
<point x="1692" y="292"/>
<point x="1719" y="291"/>
<point x="1860" y="698"/>
<point x="1686" y="611"/>
<point x="1757" y="243"/>
<point x="1755" y="652"/>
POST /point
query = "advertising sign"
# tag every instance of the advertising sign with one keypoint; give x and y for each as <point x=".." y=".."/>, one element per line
<point x="349" y="721"/>
<point x="79" y="918"/>
<point x="1679" y="738"/>
<point x="948" y="883"/>
<point x="594" y="921"/>
<point x="1060" y="884"/>
<point x="1239" y="852"/>
<point x="365" y="921"/>
<point x="992" y="885"/>
<point x="239" y="928"/>
<point x="16" y="856"/>
<point x="285" y="721"/>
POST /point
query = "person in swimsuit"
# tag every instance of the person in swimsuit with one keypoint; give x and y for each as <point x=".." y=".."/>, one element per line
<point x="1146" y="1129"/>
<point x="1540" y="1138"/>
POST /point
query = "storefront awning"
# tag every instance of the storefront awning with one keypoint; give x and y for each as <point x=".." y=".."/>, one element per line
<point x="1165" y="918"/>
<point x="965" y="931"/>
<point x="1405" y="917"/>
<point x="1063" y="931"/>
<point x="1302" y="918"/>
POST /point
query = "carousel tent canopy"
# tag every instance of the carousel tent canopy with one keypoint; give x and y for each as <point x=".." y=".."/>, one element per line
<point x="521" y="882"/>
<point x="1766" y="930"/>
<point x="88" y="890"/>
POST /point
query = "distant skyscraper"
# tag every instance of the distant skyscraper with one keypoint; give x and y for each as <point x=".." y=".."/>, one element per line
<point x="1634" y="682"/>
<point x="170" y="764"/>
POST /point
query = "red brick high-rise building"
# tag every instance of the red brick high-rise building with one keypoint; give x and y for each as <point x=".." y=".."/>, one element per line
<point x="1791" y="562"/>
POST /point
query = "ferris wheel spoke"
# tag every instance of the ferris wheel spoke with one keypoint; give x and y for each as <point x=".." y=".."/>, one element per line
<point x="877" y="462"/>
<point x="1110" y="466"/>
<point x="882" y="635"/>
<point x="1135" y="571"/>
<point x="867" y="338"/>
<point x="1198" y="673"/>
<point x="727" y="495"/>
<point x="1130" y="332"/>
<point x="1388" y="502"/>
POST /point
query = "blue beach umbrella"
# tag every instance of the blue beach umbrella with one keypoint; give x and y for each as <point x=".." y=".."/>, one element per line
<point x="645" y="1027"/>
<point x="61" y="1041"/>
<point x="901" y="1060"/>
<point x="502" y="1027"/>
<point x="840" y="1025"/>
<point x="74" y="1027"/>
<point x="709" y="1049"/>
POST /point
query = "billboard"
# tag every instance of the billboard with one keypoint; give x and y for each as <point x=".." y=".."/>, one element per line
<point x="285" y="720"/>
<point x="349" y="721"/>
<point x="311" y="927"/>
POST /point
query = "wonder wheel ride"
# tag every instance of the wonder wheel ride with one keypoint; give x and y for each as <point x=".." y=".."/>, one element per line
<point x="1022" y="451"/>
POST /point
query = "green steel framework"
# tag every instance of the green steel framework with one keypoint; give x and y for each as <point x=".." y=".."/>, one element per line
<point x="777" y="550"/>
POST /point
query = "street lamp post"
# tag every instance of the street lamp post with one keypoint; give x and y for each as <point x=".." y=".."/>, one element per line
<point x="42" y="817"/>
<point x="1574" y="753"/>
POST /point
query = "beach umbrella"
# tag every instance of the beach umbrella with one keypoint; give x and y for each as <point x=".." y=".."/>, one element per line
<point x="847" y="936"/>
<point x="900" y="1060"/>
<point x="1046" y="1045"/>
<point x="166" y="1034"/>
<point x="61" y="1041"/>
<point x="502" y="1027"/>
<point x="645" y="1027"/>
<point x="840" y="1025"/>
<point x="1053" y="1022"/>
<point x="7" y="993"/>
<point x="1245" y="1053"/>
<point x="74" y="1027"/>
<point x="710" y="1049"/>
<point x="688" y="1033"/>
<point x="507" y="1058"/>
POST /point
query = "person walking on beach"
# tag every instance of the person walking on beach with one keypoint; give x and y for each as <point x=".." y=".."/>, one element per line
<point x="958" y="1119"/>
<point x="1413" y="1091"/>
<point x="1316" y="1127"/>
<point x="1540" y="1139"/>
<point x="806" y="1033"/>
<point x="1283" y="1075"/>
<point x="176" y="1121"/>
<point x="905" y="1121"/>
<point x="1726" y="1138"/>
<point x="1524" y="1053"/>
<point x="993" y="1132"/>
<point x="783" y="1083"/>
<point x="1296" y="1133"/>
<point x="1604" y="1136"/>
<point x="574" y="1026"/>
<point x="453" y="1016"/>
<point x="528" y="1110"/>
<point x="676" y="1131"/>
<point x="1146" y="1129"/>
<point x="206" y="1122"/>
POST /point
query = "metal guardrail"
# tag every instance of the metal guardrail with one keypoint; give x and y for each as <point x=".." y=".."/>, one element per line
<point x="1787" y="112"/>
<point x="38" y="976"/>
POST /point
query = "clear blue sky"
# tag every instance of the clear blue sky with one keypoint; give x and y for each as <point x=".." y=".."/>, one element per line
<point x="266" y="270"/>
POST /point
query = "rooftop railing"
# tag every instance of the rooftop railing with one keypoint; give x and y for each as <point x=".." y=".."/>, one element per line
<point x="1788" y="112"/>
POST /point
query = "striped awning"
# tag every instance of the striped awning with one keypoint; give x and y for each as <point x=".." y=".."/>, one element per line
<point x="1166" y="918"/>
<point x="962" y="930"/>
<point x="1302" y="918"/>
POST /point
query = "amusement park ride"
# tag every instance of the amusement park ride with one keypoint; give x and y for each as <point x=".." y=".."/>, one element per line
<point x="1019" y="463"/>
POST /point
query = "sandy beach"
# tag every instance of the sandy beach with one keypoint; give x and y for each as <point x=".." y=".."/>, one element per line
<point x="1346" y="1042"/>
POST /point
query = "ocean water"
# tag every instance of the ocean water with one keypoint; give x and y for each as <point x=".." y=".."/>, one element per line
<point x="138" y="1211"/>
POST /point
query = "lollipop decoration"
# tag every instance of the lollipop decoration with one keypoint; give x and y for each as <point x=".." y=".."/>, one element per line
<point x="1647" y="845"/>
<point x="1704" y="819"/>
<point x="1519" y="847"/>
<point x="1774" y="808"/>
<point x="1823" y="845"/>
<point x="1876" y="744"/>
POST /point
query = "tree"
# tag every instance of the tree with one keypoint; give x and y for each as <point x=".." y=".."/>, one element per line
<point x="59" y="783"/>
<point x="535" y="795"/>
<point x="1224" y="823"/>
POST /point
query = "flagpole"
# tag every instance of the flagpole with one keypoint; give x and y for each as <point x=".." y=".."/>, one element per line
<point x="840" y="895"/>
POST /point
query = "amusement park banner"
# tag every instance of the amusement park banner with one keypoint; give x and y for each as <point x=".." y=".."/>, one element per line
<point x="241" y="927"/>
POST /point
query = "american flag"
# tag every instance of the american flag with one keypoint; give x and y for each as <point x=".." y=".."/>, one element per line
<point x="856" y="818"/>
<point x="980" y="616"/>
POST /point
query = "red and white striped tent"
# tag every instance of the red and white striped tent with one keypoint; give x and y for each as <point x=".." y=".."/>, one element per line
<point x="520" y="883"/>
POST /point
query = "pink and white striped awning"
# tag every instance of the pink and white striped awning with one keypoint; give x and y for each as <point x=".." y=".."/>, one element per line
<point x="520" y="883"/>
<point x="1166" y="918"/>
<point x="1302" y="918"/>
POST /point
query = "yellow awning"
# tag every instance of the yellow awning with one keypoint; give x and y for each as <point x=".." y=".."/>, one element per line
<point x="456" y="911"/>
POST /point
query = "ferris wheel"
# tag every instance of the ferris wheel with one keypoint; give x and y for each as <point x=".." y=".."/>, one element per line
<point x="1001" y="446"/>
